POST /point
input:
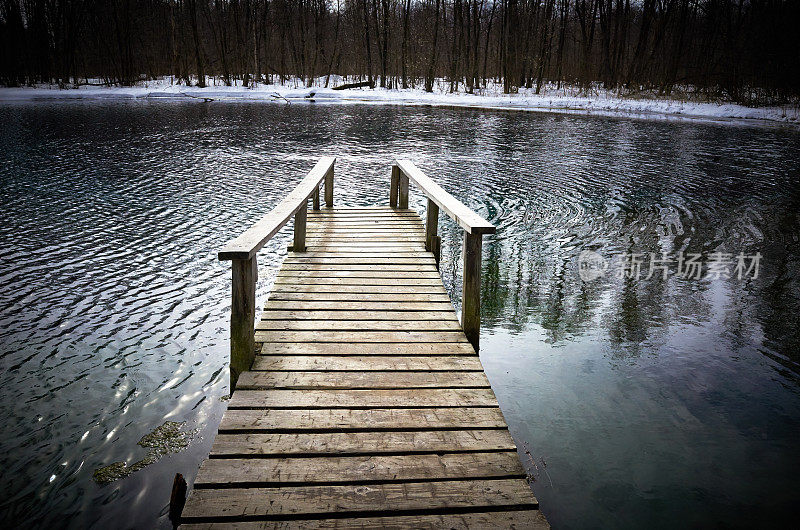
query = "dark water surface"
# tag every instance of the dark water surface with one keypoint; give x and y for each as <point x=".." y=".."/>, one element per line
<point x="642" y="402"/>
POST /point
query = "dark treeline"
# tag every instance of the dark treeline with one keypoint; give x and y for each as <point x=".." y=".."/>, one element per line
<point x="745" y="51"/>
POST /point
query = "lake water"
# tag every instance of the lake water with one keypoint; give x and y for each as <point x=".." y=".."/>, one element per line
<point x="643" y="402"/>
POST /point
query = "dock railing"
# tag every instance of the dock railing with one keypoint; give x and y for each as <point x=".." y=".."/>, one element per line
<point x="474" y="227"/>
<point x="244" y="268"/>
<point x="242" y="254"/>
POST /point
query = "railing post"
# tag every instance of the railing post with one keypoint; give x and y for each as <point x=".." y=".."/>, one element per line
<point x="299" y="244"/>
<point x="329" y="188"/>
<point x="393" y="186"/>
<point x="243" y="314"/>
<point x="471" y="292"/>
<point x="316" y="197"/>
<point x="402" y="191"/>
<point x="436" y="248"/>
<point x="431" y="224"/>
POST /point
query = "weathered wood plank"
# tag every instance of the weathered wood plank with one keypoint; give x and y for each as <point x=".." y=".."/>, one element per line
<point x="360" y="336"/>
<point x="322" y="305"/>
<point x="352" y="499"/>
<point x="339" y="348"/>
<point x="373" y="267"/>
<point x="352" y="443"/>
<point x="362" y="253"/>
<point x="363" y="398"/>
<point x="228" y="472"/>
<point x="361" y="297"/>
<point x="311" y="274"/>
<point x="366" y="248"/>
<point x="356" y="288"/>
<point x="332" y="363"/>
<point x="363" y="260"/>
<point x="357" y="325"/>
<point x="395" y="316"/>
<point x="360" y="380"/>
<point x="314" y="280"/>
<point x="511" y="519"/>
<point x="361" y="419"/>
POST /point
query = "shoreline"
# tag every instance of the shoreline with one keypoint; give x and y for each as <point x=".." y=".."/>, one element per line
<point x="603" y="104"/>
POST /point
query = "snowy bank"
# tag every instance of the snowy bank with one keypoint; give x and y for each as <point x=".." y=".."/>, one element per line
<point x="549" y="100"/>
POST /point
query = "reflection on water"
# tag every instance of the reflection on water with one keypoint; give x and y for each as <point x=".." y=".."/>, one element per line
<point x="641" y="402"/>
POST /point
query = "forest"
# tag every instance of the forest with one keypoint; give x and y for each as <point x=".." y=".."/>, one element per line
<point x="737" y="50"/>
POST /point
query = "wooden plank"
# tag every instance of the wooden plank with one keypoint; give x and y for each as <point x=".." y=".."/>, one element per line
<point x="356" y="267"/>
<point x="360" y="336"/>
<point x="349" y="288"/>
<point x="362" y="260"/>
<point x="330" y="399"/>
<point x="380" y="241"/>
<point x="466" y="218"/>
<point x="338" y="348"/>
<point x="351" y="499"/>
<point x="528" y="519"/>
<point x="361" y="419"/>
<point x="362" y="253"/>
<point x="246" y="245"/>
<point x="311" y="274"/>
<point x="357" y="325"/>
<point x="237" y="472"/>
<point x="353" y="443"/>
<point x="339" y="315"/>
<point x="375" y="362"/>
<point x="311" y="280"/>
<point x="366" y="305"/>
<point x="393" y="248"/>
<point x="360" y="380"/>
<point x="362" y="297"/>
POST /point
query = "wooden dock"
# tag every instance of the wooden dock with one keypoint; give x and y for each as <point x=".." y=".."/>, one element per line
<point x="365" y="404"/>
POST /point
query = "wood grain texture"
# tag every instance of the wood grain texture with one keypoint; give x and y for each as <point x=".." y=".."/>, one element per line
<point x="357" y="499"/>
<point x="363" y="398"/>
<point x="329" y="363"/>
<point x="353" y="443"/>
<point x="515" y="519"/>
<point x="306" y="380"/>
<point x="232" y="472"/>
<point x="349" y="348"/>
<point x="288" y="420"/>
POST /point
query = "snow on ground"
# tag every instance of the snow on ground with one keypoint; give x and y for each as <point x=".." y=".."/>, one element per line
<point x="551" y="99"/>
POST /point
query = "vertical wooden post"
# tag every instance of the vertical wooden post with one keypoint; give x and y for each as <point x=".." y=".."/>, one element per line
<point x="299" y="244"/>
<point x="243" y="314"/>
<point x="471" y="292"/>
<point x="393" y="186"/>
<point x="329" y="188"/>
<point x="402" y="192"/>
<point x="436" y="248"/>
<point x="316" y="197"/>
<point x="431" y="224"/>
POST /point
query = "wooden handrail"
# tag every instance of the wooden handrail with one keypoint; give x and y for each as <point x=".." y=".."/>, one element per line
<point x="461" y="214"/>
<point x="244" y="268"/>
<point x="254" y="238"/>
<point x="474" y="227"/>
